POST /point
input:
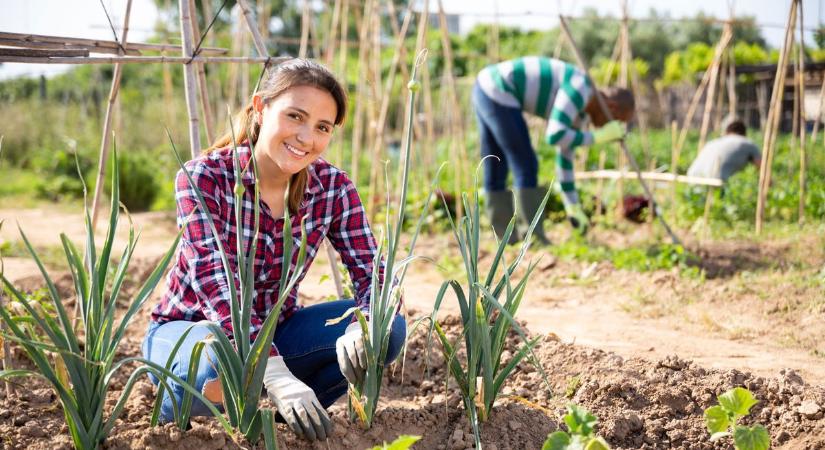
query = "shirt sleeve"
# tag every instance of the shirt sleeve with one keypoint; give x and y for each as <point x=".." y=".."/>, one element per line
<point x="571" y="98"/>
<point x="351" y="236"/>
<point x="206" y="274"/>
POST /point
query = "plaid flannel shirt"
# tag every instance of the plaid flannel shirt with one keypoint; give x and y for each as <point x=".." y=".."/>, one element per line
<point x="197" y="285"/>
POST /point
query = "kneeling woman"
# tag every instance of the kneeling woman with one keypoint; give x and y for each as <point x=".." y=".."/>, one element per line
<point x="290" y="122"/>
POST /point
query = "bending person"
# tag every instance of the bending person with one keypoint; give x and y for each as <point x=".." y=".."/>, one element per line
<point x="726" y="155"/>
<point x="290" y="123"/>
<point x="551" y="89"/>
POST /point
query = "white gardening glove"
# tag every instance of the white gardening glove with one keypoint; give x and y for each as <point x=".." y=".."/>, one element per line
<point x="609" y="132"/>
<point x="352" y="354"/>
<point x="296" y="401"/>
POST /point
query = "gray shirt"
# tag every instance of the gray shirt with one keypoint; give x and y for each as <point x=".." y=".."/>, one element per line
<point x="723" y="157"/>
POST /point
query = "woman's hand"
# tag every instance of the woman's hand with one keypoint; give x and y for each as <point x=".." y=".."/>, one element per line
<point x="352" y="355"/>
<point x="296" y="401"/>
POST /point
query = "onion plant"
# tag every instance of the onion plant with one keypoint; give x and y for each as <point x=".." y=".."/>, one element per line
<point x="79" y="363"/>
<point x="241" y="363"/>
<point x="385" y="298"/>
<point x="488" y="305"/>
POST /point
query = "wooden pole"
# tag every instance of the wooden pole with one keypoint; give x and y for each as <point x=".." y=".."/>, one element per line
<point x="257" y="39"/>
<point x="203" y="88"/>
<point x="343" y="52"/>
<point x="652" y="176"/>
<point x="189" y="83"/>
<point x="623" y="82"/>
<point x="803" y="163"/>
<point x="674" y="164"/>
<point x="714" y="69"/>
<point x="360" y="92"/>
<point x="456" y="118"/>
<point x="694" y="103"/>
<point x="107" y="124"/>
<point x="609" y="115"/>
<point x="329" y="51"/>
<point x="304" y="46"/>
<point x="773" y="118"/>
<point x="93" y="45"/>
<point x="429" y="134"/>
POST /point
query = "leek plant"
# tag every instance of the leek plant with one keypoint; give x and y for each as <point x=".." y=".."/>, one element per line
<point x="84" y="359"/>
<point x="488" y="306"/>
<point x="385" y="297"/>
<point x="241" y="363"/>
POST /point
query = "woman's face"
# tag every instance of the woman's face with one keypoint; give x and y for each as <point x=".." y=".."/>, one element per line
<point x="296" y="127"/>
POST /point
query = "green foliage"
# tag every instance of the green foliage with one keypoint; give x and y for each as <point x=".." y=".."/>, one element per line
<point x="139" y="186"/>
<point x="722" y="421"/>
<point x="79" y="365"/>
<point x="580" y="425"/>
<point x="488" y="305"/>
<point x="385" y="296"/>
<point x="658" y="256"/>
<point x="60" y="174"/>
<point x="403" y="442"/>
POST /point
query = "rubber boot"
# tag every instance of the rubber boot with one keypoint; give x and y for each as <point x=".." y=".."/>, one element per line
<point x="528" y="202"/>
<point x="500" y="211"/>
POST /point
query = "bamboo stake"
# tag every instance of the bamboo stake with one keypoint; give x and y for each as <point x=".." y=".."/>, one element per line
<point x="600" y="184"/>
<point x="201" y="81"/>
<point x="694" y="103"/>
<point x="302" y="49"/>
<point x="456" y="119"/>
<point x="714" y="69"/>
<point x="607" y="113"/>
<point x="674" y="164"/>
<point x="357" y="127"/>
<point x="732" y="99"/>
<point x="250" y="22"/>
<point x="245" y="60"/>
<point x="374" y="81"/>
<point x="107" y="123"/>
<point x="494" y="50"/>
<point x="343" y="51"/>
<point x="329" y="50"/>
<point x="773" y="118"/>
<point x="623" y="82"/>
<point x="189" y="84"/>
<point x="801" y="100"/>
<point x="93" y="45"/>
<point x="603" y="174"/>
<point x="390" y="81"/>
<point x="429" y="140"/>
<point x="264" y="14"/>
<point x="762" y="100"/>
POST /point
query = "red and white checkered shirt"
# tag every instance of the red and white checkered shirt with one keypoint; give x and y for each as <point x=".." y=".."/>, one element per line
<point x="197" y="286"/>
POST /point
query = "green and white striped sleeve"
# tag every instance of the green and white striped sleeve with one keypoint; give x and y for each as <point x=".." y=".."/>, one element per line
<point x="571" y="98"/>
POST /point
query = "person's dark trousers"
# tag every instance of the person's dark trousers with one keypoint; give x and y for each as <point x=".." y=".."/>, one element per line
<point x="503" y="134"/>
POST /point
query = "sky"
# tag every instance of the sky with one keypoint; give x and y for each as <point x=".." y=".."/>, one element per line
<point x="86" y="19"/>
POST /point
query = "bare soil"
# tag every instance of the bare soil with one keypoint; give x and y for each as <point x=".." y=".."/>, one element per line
<point x="645" y="352"/>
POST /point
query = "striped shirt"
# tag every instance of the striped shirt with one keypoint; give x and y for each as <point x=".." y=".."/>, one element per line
<point x="197" y="285"/>
<point x="548" y="88"/>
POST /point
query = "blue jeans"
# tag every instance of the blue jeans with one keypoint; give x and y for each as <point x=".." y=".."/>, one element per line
<point x="503" y="133"/>
<point x="305" y="342"/>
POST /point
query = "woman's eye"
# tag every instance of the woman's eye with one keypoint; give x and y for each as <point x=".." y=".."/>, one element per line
<point x="324" y="128"/>
<point x="293" y="115"/>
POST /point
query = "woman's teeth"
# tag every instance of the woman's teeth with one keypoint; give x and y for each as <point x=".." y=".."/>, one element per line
<point x="294" y="150"/>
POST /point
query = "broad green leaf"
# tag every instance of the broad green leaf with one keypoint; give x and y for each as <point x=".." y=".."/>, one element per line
<point x="579" y="420"/>
<point x="597" y="444"/>
<point x="558" y="440"/>
<point x="716" y="419"/>
<point x="403" y="442"/>
<point x="738" y="401"/>
<point x="751" y="438"/>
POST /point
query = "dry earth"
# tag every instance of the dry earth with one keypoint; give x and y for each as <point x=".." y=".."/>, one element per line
<point x="758" y="321"/>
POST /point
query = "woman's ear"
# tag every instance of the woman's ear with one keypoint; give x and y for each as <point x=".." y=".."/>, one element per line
<point x="258" y="108"/>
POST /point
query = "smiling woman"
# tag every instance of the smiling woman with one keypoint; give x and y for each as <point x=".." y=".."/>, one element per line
<point x="284" y="131"/>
